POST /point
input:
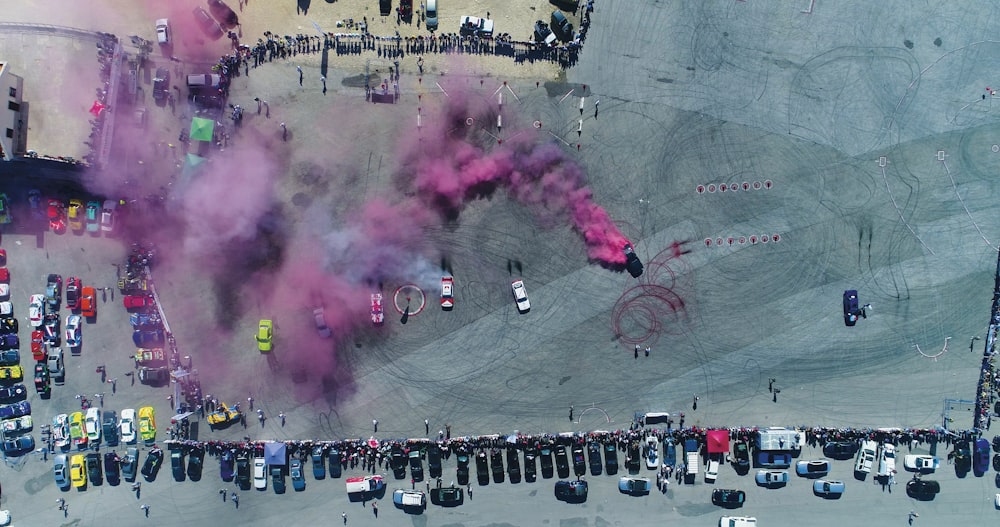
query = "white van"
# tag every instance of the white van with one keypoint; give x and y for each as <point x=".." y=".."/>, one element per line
<point x="409" y="498"/>
<point x="866" y="457"/>
<point x="432" y="14"/>
<point x="887" y="460"/>
<point x="712" y="470"/>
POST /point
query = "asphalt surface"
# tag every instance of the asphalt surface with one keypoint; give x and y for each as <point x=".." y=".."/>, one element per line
<point x="691" y="94"/>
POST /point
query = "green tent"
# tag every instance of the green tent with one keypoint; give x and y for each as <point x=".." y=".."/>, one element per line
<point x="201" y="129"/>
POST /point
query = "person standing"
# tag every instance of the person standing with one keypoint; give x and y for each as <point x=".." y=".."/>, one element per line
<point x="344" y="516"/>
<point x="375" y="508"/>
<point x="427" y="427"/>
<point x="299" y="69"/>
<point x="571" y="413"/>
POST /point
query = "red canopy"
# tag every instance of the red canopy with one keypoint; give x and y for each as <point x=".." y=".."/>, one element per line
<point x="718" y="441"/>
<point x="97" y="108"/>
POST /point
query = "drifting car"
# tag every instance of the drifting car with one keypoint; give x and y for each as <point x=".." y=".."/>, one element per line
<point x="36" y="310"/>
<point x="76" y="473"/>
<point x="134" y="302"/>
<point x="815" y="468"/>
<point x="771" y="478"/>
<point x="73" y="293"/>
<point x="652" y="457"/>
<point x="57" y="216"/>
<point x="295" y="472"/>
<point x="224" y="415"/>
<point x="828" y="489"/>
<point x="60" y="470"/>
<point x="634" y="486"/>
<point x="92" y="424"/>
<point x="223" y="13"/>
<point x="60" y="430"/>
<point x="13" y="392"/>
<point x="152" y="465"/>
<point x="75" y="214"/>
<point x="15" y="410"/>
<point x="77" y="430"/>
<point x="91" y="217"/>
<point x="447" y="292"/>
<point x="162" y="31"/>
<point x="108" y="210"/>
<point x="632" y="263"/>
<point x="147" y="424"/>
<point x="851" y="307"/>
<point x="728" y="498"/>
<point x="571" y="491"/>
<point x="207" y="23"/>
<point x="11" y="373"/>
<point x="924" y="464"/>
<point x="319" y="317"/>
<point x="520" y="296"/>
<point x="5" y="216"/>
<point x="922" y="489"/>
<point x="265" y="336"/>
<point x="130" y="463"/>
<point x="72" y="331"/>
<point x="378" y="316"/>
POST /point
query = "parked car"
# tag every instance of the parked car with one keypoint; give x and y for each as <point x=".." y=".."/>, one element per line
<point x="562" y="464"/>
<point x="177" y="463"/>
<point x="295" y="472"/>
<point x="981" y="457"/>
<point x="771" y="478"/>
<point x="651" y="455"/>
<point x="92" y="423"/>
<point x="737" y="521"/>
<point x="851" y="309"/>
<point x="840" y="449"/>
<point x="148" y="338"/>
<point x="60" y="431"/>
<point x="154" y="459"/>
<point x="741" y="457"/>
<point x="56" y="365"/>
<point x="109" y="215"/>
<point x="774" y="460"/>
<point x="496" y="466"/>
<point x="76" y="472"/>
<point x="91" y="217"/>
<point x="9" y="356"/>
<point x="36" y="310"/>
<point x="475" y="26"/>
<point x="530" y="474"/>
<point x="634" y="486"/>
<point x="227" y="465"/>
<point x="335" y="463"/>
<point x="579" y="462"/>
<point x="57" y="216"/>
<point x="43" y="381"/>
<point x="561" y="26"/>
<point x="446" y="496"/>
<point x="60" y="470"/>
<point x="136" y="302"/>
<point x="73" y="293"/>
<point x="259" y="473"/>
<point x="129" y="463"/>
<point x="73" y="335"/>
<point x="728" y="498"/>
<point x="13" y="392"/>
<point x="922" y="489"/>
<point x="520" y="296"/>
<point x="828" y="489"/>
<point x="18" y="445"/>
<point x="409" y="499"/>
<point x="147" y="424"/>
<point x="545" y="456"/>
<point x="94" y="473"/>
<point x="77" y="430"/>
<point x="962" y="456"/>
<point x="111" y="468"/>
<point x="571" y="491"/>
<point x="514" y="466"/>
<point x="318" y="465"/>
<point x="923" y="464"/>
<point x="416" y="465"/>
<point x="50" y="329"/>
<point x="812" y="469"/>
<point x="610" y="459"/>
<point x="434" y="461"/>
<point x="110" y="428"/>
<point x="462" y="468"/>
<point x="594" y="456"/>
<point x="482" y="469"/>
<point x="543" y="35"/>
<point x="15" y="410"/>
<point x="75" y="214"/>
<point x="126" y="426"/>
<point x="243" y="472"/>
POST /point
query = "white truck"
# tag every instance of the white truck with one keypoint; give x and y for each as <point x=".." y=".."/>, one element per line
<point x="712" y="470"/>
<point x="866" y="457"/>
<point x="691" y="458"/>
<point x="472" y="25"/>
<point x="779" y="439"/>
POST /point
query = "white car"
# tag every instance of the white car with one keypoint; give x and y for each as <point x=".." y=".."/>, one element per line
<point x="771" y="478"/>
<point x="319" y="316"/>
<point x="447" y="292"/>
<point x="108" y="215"/>
<point x="737" y="521"/>
<point x="652" y="459"/>
<point x="93" y="424"/>
<point x="916" y="463"/>
<point x="259" y="473"/>
<point x="162" y="31"/>
<point x="73" y="336"/>
<point x="378" y="316"/>
<point x="520" y="296"/>
<point x="887" y="461"/>
<point x="60" y="430"/>
<point x="127" y="426"/>
<point x="475" y="26"/>
<point x="4" y="291"/>
<point x="36" y="310"/>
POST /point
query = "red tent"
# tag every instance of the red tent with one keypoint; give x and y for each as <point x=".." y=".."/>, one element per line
<point x="718" y="441"/>
<point x="97" y="108"/>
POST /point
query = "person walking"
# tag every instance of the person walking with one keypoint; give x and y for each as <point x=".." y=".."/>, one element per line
<point x="223" y="492"/>
<point x="647" y="351"/>
<point x="284" y="137"/>
<point x="236" y="500"/>
<point x="145" y="509"/>
<point x="323" y="79"/>
<point x="375" y="508"/>
<point x="344" y="516"/>
<point x="374" y="421"/>
<point x="571" y="413"/>
<point x="299" y="69"/>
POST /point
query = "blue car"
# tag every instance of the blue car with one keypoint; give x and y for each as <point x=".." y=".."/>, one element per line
<point x="9" y="341"/>
<point x="828" y="489"/>
<point x="774" y="460"/>
<point x="148" y="338"/>
<point x="319" y="469"/>
<point x="298" y="479"/>
<point x="981" y="457"/>
<point x="10" y="357"/>
<point x="15" y="410"/>
<point x="669" y="453"/>
<point x="226" y="466"/>
<point x="771" y="478"/>
<point x="145" y="321"/>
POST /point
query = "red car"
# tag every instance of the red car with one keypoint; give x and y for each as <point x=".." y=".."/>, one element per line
<point x="137" y="301"/>
<point x="3" y="257"/>
<point x="73" y="293"/>
<point x="4" y="275"/>
<point x="38" y="345"/>
<point x="57" y="216"/>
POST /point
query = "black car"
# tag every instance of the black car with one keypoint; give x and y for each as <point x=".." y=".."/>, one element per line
<point x="398" y="462"/>
<point x="741" y="457"/>
<point x="851" y="310"/>
<point x="227" y="465"/>
<point x="543" y="35"/>
<point x="728" y="498"/>
<point x="110" y="428"/>
<point x="571" y="491"/>
<point x="496" y="465"/>
<point x="545" y="456"/>
<point x="610" y="459"/>
<point x="278" y="479"/>
<point x="579" y="463"/>
<point x="207" y="24"/>
<point x="129" y="464"/>
<point x="319" y="466"/>
<point x="561" y="26"/>
<point x="16" y="392"/>
<point x="161" y="89"/>
<point x="434" y="461"/>
<point x="243" y="471"/>
<point x="513" y="466"/>
<point x="8" y="326"/>
<point x="529" y="464"/>
<point x="840" y="449"/>
<point x="594" y="456"/>
<point x="482" y="468"/>
<point x="196" y="461"/>
<point x="335" y="465"/>
<point x="111" y="468"/>
<point x="177" y="463"/>
<point x="922" y="489"/>
<point x="462" y="472"/>
<point x="384" y="7"/>
<point x="93" y="463"/>
<point x="562" y="464"/>
<point x="416" y="465"/>
<point x="447" y="496"/>
<point x="632" y="262"/>
<point x="43" y="382"/>
<point x="223" y="13"/>
<point x="632" y="459"/>
<point x="963" y="456"/>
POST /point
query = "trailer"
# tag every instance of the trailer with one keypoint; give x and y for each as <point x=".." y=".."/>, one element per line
<point x="780" y="439"/>
<point x="692" y="459"/>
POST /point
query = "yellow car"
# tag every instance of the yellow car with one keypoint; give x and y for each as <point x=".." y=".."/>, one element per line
<point x="223" y="416"/>
<point x="147" y="424"/>
<point x="11" y="373"/>
<point x="77" y="430"/>
<point x="75" y="214"/>
<point x="76" y="471"/>
<point x="265" y="334"/>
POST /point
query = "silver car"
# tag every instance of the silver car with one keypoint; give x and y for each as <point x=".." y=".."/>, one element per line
<point x="771" y="478"/>
<point x="59" y="469"/>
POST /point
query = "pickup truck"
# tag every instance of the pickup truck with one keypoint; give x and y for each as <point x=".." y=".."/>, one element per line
<point x="472" y="25"/>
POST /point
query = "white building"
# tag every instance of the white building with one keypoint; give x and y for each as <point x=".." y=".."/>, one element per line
<point x="14" y="130"/>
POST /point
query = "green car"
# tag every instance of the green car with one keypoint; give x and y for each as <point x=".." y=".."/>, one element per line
<point x="92" y="217"/>
<point x="265" y="335"/>
<point x="5" y="216"/>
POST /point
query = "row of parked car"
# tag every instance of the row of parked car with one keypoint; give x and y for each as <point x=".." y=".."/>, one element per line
<point x="77" y="469"/>
<point x="15" y="419"/>
<point x="83" y="430"/>
<point x="90" y="216"/>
